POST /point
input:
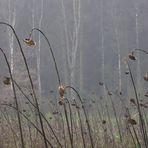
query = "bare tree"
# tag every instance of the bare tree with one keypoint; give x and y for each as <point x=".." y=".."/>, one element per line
<point x="11" y="20"/>
<point x="115" y="21"/>
<point x="39" y="49"/>
<point x="139" y="86"/>
<point x="72" y="38"/>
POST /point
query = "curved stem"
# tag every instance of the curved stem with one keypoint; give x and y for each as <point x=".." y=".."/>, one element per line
<point x="30" y="79"/>
<point x="15" y="99"/>
<point x="68" y="126"/>
<point x="115" y="114"/>
<point x="10" y="126"/>
<point x="81" y="125"/>
<point x="56" y="67"/>
<point x="85" y="114"/>
<point x="143" y="128"/>
<point x="71" y="121"/>
<point x="142" y="50"/>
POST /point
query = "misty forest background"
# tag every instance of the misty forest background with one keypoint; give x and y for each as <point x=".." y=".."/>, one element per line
<point x="90" y="39"/>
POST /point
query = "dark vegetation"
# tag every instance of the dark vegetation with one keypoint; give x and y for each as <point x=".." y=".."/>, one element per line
<point x="73" y="121"/>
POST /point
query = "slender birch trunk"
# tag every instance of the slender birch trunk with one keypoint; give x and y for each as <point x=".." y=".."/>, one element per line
<point x="39" y="50"/>
<point x="11" y="20"/>
<point x="115" y="18"/>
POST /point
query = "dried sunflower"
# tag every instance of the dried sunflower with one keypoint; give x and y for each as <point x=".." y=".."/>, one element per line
<point x="131" y="56"/>
<point x="29" y="41"/>
<point x="61" y="89"/>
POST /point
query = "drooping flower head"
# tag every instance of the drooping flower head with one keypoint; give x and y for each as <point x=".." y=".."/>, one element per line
<point x="61" y="89"/>
<point x="132" y="56"/>
<point x="29" y="41"/>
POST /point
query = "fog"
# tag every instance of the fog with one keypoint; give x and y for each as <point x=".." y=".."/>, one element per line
<point x="89" y="39"/>
<point x="100" y="49"/>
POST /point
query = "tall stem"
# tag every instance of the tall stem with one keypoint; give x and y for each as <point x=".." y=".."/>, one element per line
<point x="85" y="114"/>
<point x="16" y="101"/>
<point x="31" y="82"/>
<point x="56" y="67"/>
<point x="144" y="134"/>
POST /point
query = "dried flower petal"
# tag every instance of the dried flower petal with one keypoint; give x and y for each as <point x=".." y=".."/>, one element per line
<point x="7" y="81"/>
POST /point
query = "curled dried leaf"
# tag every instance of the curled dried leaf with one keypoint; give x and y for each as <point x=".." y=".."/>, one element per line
<point x="132" y="100"/>
<point x="132" y="121"/>
<point x="7" y="81"/>
<point x="104" y="122"/>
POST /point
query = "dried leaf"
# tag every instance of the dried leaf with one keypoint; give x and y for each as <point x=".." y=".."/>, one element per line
<point x="7" y="81"/>
<point x="104" y="122"/>
<point x="132" y="100"/>
<point x="101" y="83"/>
<point x="132" y="121"/>
<point x="109" y="93"/>
<point x="126" y="72"/>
